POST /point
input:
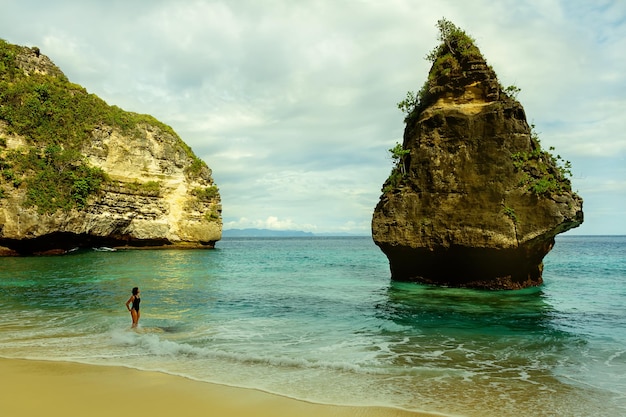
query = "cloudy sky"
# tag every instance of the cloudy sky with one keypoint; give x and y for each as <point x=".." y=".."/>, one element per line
<point x="293" y="103"/>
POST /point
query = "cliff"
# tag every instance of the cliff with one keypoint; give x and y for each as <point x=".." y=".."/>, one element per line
<point x="76" y="172"/>
<point x="473" y="200"/>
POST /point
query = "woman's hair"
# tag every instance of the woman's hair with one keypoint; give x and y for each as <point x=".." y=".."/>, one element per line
<point x="135" y="290"/>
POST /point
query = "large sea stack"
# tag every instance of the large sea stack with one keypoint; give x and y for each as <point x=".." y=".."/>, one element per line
<point x="76" y="172"/>
<point x="473" y="200"/>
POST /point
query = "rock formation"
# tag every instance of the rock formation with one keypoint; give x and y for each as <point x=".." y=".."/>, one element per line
<point x="473" y="201"/>
<point x="75" y="172"/>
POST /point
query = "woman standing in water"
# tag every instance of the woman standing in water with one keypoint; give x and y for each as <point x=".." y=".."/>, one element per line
<point x="134" y="309"/>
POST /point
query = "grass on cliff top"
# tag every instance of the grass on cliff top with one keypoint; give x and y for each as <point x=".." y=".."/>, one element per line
<point x="455" y="48"/>
<point x="57" y="118"/>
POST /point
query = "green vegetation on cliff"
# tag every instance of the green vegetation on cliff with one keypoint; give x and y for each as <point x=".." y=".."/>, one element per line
<point x="542" y="172"/>
<point x="447" y="58"/>
<point x="57" y="118"/>
<point x="398" y="172"/>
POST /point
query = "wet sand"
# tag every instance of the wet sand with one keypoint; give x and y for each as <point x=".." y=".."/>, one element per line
<point x="55" y="389"/>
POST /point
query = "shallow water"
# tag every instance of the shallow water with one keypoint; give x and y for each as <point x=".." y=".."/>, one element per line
<point x="319" y="319"/>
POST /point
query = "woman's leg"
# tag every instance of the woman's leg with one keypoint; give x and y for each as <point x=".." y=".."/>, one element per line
<point x="135" y="316"/>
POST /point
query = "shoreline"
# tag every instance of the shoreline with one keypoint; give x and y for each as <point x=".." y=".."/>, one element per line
<point x="38" y="387"/>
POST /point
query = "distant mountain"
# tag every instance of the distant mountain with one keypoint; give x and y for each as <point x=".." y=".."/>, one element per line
<point x="342" y="234"/>
<point x="264" y="233"/>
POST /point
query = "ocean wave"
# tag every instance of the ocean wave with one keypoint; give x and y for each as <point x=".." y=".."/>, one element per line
<point x="149" y="342"/>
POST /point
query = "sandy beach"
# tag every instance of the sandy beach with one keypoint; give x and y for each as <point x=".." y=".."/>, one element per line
<point x="39" y="388"/>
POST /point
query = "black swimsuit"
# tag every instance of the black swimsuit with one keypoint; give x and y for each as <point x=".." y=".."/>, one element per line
<point x="136" y="302"/>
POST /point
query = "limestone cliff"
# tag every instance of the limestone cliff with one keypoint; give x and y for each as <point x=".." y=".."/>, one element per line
<point x="473" y="201"/>
<point x="75" y="172"/>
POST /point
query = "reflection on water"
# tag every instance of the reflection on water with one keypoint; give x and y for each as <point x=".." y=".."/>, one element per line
<point x="476" y="311"/>
<point x="459" y="345"/>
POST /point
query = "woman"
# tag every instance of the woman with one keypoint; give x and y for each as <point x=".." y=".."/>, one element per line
<point x="134" y="309"/>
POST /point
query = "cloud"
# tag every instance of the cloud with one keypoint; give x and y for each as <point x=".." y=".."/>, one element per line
<point x="271" y="222"/>
<point x="293" y="104"/>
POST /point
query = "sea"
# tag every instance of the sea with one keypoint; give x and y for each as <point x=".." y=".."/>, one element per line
<point x="319" y="319"/>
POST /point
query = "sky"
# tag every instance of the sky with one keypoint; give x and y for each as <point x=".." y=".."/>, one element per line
<point x="293" y="104"/>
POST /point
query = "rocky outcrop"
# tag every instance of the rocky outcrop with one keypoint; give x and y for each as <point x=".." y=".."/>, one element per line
<point x="474" y="201"/>
<point x="131" y="181"/>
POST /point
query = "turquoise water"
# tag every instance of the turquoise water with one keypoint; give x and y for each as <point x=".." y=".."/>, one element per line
<point x="319" y="319"/>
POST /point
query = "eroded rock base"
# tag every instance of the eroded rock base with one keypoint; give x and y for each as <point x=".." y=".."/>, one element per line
<point x="62" y="243"/>
<point x="481" y="268"/>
